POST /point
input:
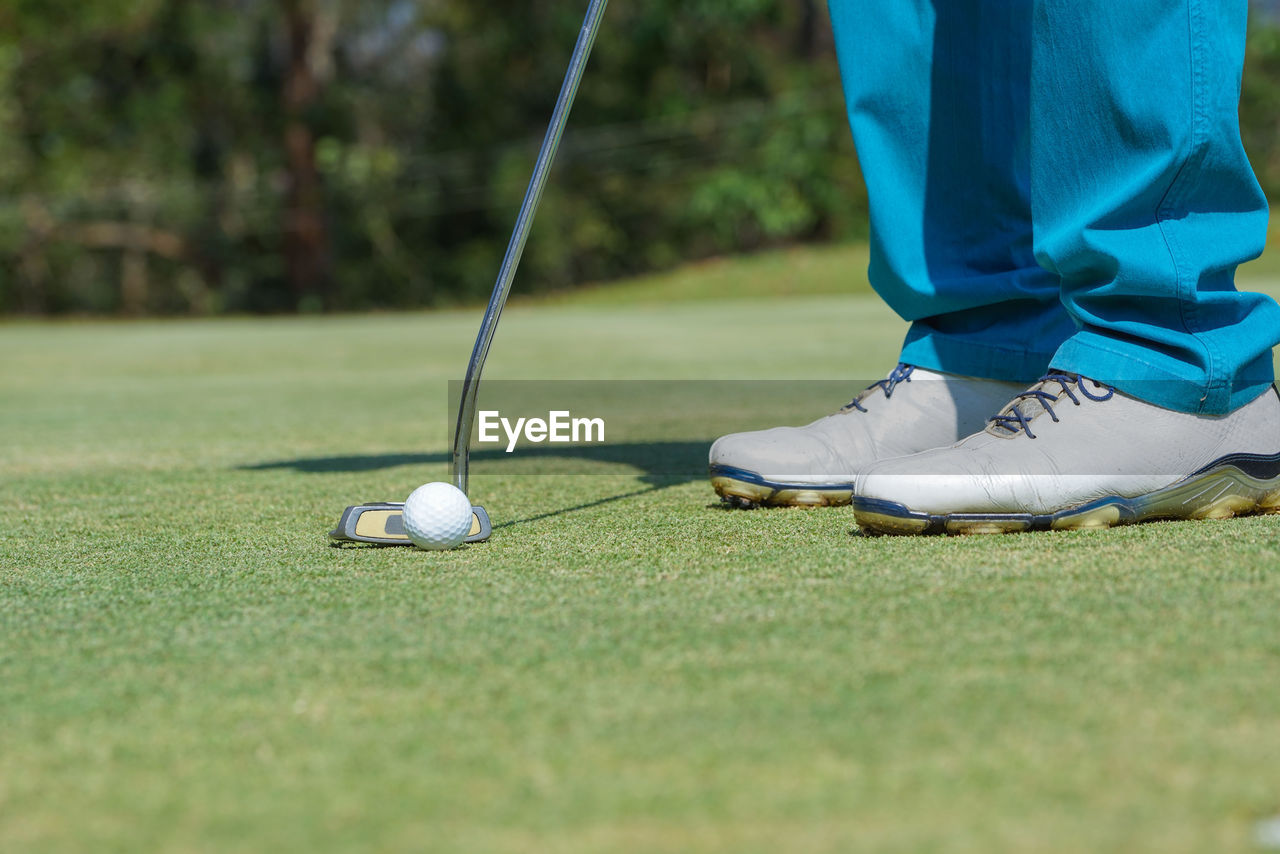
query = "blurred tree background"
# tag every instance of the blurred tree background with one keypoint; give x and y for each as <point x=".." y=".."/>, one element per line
<point x="207" y="156"/>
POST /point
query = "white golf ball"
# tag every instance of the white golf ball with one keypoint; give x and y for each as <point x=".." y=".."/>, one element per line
<point x="437" y="516"/>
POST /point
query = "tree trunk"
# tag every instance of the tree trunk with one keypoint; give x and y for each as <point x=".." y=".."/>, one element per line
<point x="807" y="37"/>
<point x="305" y="233"/>
<point x="33" y="266"/>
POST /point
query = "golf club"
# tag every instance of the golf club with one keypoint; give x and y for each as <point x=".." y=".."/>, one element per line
<point x="382" y="522"/>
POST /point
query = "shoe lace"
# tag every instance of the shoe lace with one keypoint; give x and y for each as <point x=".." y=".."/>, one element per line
<point x="900" y="374"/>
<point x="1015" y="420"/>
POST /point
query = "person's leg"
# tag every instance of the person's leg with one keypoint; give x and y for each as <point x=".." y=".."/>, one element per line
<point x="938" y="100"/>
<point x="938" y="107"/>
<point x="1144" y="204"/>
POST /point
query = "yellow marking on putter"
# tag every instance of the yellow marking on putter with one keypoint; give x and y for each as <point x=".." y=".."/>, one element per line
<point x="382" y="523"/>
<point x="373" y="523"/>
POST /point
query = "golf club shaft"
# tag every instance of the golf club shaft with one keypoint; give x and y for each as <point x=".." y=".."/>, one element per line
<point x="546" y="156"/>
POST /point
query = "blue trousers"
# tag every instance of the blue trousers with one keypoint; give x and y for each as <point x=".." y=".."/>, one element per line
<point x="1062" y="183"/>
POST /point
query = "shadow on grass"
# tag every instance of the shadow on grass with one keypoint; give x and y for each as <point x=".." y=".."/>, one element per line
<point x="586" y="506"/>
<point x="660" y="464"/>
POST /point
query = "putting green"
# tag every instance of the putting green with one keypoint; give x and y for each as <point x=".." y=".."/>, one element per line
<point x="186" y="665"/>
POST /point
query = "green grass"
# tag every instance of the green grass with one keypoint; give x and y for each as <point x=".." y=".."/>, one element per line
<point x="186" y="665"/>
<point x="838" y="270"/>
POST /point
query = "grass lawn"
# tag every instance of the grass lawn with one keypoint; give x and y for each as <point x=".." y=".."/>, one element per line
<point x="186" y="665"/>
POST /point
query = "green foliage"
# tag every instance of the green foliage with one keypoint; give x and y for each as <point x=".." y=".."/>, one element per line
<point x="143" y="165"/>
<point x="1260" y="105"/>
<point x="683" y="107"/>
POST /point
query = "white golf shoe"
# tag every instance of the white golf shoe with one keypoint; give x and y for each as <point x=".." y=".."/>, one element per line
<point x="1073" y="453"/>
<point x="911" y="410"/>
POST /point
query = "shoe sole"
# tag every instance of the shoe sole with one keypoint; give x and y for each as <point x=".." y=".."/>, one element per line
<point x="747" y="490"/>
<point x="1241" y="485"/>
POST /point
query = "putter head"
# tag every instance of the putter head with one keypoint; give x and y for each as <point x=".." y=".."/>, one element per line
<point x="382" y="523"/>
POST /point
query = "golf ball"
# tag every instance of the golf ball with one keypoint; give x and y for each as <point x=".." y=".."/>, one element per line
<point x="437" y="516"/>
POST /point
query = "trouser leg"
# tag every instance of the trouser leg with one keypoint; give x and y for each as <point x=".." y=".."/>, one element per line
<point x="938" y="94"/>
<point x="1143" y="200"/>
